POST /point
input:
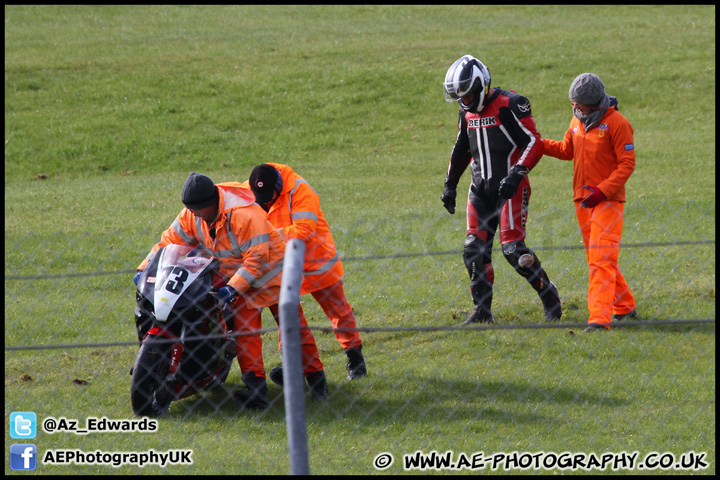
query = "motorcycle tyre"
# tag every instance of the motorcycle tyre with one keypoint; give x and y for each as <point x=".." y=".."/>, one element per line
<point x="150" y="371"/>
<point x="228" y="357"/>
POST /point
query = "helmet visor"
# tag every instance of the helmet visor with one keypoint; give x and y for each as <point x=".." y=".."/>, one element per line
<point x="450" y="94"/>
<point x="451" y="85"/>
<point x="461" y="78"/>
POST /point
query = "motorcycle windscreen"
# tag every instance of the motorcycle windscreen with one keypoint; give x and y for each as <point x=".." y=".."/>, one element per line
<point x="179" y="267"/>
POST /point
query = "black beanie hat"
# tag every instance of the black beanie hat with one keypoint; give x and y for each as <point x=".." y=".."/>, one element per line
<point x="264" y="180"/>
<point x="199" y="192"/>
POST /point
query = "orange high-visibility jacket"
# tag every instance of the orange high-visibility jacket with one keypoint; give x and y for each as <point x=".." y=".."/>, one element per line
<point x="603" y="157"/>
<point x="297" y="213"/>
<point x="249" y="248"/>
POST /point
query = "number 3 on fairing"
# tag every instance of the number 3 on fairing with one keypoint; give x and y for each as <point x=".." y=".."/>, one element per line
<point x="176" y="285"/>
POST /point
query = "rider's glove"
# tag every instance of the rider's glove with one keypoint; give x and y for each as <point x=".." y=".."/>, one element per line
<point x="136" y="278"/>
<point x="596" y="196"/>
<point x="510" y="184"/>
<point x="226" y="295"/>
<point x="448" y="199"/>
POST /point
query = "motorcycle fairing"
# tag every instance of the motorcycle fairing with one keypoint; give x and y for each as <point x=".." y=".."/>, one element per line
<point x="180" y="278"/>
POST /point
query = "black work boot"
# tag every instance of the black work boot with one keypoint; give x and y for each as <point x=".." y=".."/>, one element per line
<point x="595" y="327"/>
<point x="316" y="382"/>
<point x="254" y="395"/>
<point x="625" y="316"/>
<point x="479" y="315"/>
<point x="356" y="363"/>
<point x="318" y="385"/>
<point x="551" y="302"/>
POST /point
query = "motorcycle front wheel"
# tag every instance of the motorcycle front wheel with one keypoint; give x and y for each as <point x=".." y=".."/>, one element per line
<point x="150" y="394"/>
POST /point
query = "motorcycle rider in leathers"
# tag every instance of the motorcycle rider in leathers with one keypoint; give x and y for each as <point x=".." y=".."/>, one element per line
<point x="498" y="137"/>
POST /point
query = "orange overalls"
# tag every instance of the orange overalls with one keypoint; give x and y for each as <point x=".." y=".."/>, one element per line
<point x="251" y="253"/>
<point x="297" y="214"/>
<point x="604" y="157"/>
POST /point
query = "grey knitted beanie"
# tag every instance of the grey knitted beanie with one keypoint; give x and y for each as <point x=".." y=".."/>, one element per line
<point x="587" y="89"/>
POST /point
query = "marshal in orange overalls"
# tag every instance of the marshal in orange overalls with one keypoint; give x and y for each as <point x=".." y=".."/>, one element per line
<point x="296" y="212"/>
<point x="604" y="157"/>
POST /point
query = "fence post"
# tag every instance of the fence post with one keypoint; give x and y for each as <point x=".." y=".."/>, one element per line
<point x="293" y="380"/>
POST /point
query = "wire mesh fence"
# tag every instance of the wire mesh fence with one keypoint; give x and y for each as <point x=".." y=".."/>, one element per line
<point x="438" y="397"/>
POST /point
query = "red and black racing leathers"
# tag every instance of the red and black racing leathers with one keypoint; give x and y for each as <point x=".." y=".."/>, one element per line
<point x="501" y="135"/>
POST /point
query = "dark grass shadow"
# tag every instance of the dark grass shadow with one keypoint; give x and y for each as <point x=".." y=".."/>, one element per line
<point x="420" y="400"/>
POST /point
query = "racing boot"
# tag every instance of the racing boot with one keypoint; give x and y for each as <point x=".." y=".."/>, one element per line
<point x="548" y="293"/>
<point x="481" y="291"/>
<point x="356" y="363"/>
<point x="318" y="385"/>
<point x="479" y="315"/>
<point x="529" y="266"/>
<point x="254" y="395"/>
<point x="551" y="302"/>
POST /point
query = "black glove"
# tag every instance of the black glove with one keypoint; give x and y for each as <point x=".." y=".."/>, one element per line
<point x="448" y="199"/>
<point x="510" y="184"/>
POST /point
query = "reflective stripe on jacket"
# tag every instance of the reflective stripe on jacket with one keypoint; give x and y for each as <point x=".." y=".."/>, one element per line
<point x="603" y="157"/>
<point x="296" y="212"/>
<point x="249" y="248"/>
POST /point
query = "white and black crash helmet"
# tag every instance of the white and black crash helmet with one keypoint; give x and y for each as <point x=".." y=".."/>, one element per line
<point x="466" y="75"/>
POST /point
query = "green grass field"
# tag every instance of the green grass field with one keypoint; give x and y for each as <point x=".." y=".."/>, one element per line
<point x="109" y="108"/>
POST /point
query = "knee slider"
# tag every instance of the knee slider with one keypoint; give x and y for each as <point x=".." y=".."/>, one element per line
<point x="520" y="256"/>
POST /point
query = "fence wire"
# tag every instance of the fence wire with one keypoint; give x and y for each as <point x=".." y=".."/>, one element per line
<point x="520" y="385"/>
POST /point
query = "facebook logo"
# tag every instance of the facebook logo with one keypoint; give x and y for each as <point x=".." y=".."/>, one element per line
<point x="23" y="456"/>
<point x="23" y="425"/>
